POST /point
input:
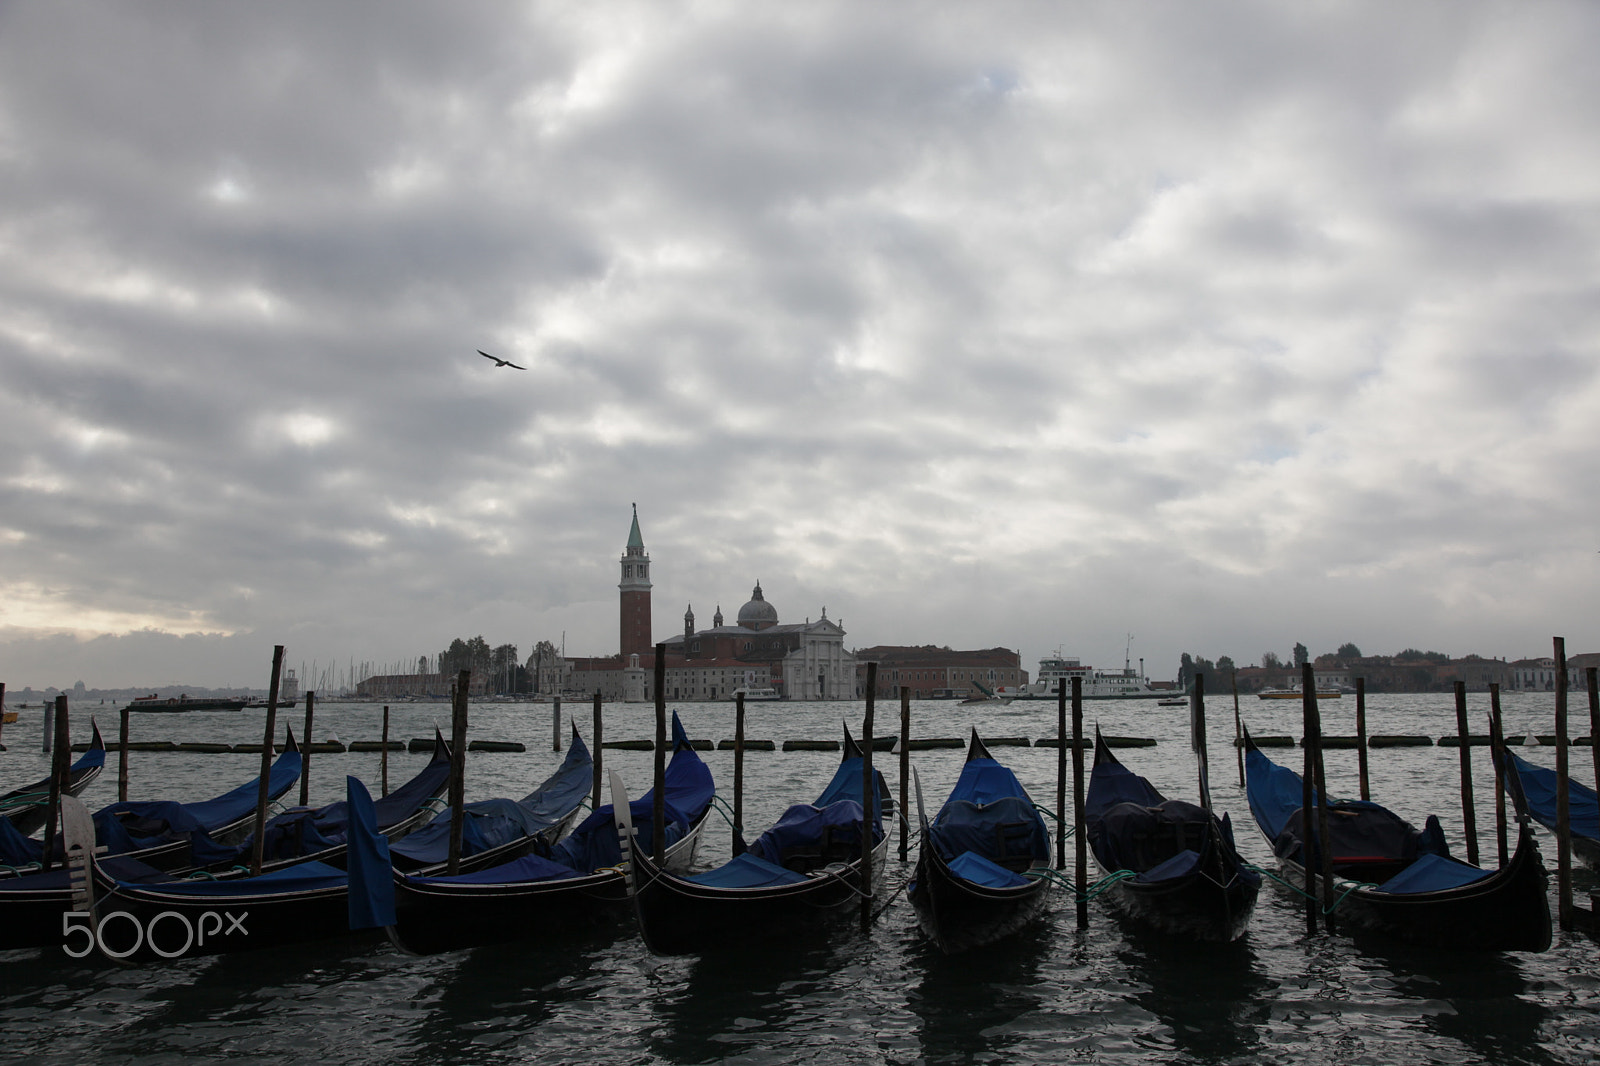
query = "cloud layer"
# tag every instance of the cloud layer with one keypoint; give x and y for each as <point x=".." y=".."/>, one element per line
<point x="1224" y="325"/>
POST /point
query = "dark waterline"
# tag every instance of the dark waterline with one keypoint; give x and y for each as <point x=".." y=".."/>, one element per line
<point x="1111" y="994"/>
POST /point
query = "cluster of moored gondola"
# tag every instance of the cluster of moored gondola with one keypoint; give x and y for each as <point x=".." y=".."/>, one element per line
<point x="162" y="880"/>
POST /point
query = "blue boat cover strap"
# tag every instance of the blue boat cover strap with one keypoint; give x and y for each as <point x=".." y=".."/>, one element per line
<point x="1007" y="830"/>
<point x="748" y="871"/>
<point x="1433" y="873"/>
<point x="809" y="836"/>
<point x="1180" y="865"/>
<point x="304" y="877"/>
<point x="516" y="872"/>
<point x="1130" y="836"/>
<point x="970" y="866"/>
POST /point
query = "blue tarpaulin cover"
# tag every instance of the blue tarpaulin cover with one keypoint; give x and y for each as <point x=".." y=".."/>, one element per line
<point x="1539" y="784"/>
<point x="970" y="866"/>
<point x="16" y="849"/>
<point x="805" y="825"/>
<point x="593" y="845"/>
<point x="751" y="871"/>
<point x="989" y="813"/>
<point x="134" y="826"/>
<point x="371" y="897"/>
<point x="1431" y="873"/>
<point x="304" y="877"/>
<point x="491" y="823"/>
<point x="517" y="871"/>
<point x="231" y="806"/>
<point x="1180" y="865"/>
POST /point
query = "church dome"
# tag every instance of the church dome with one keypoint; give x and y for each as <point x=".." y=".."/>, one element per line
<point x="758" y="613"/>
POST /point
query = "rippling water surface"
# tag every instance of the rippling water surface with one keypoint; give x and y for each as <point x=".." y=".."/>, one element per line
<point x="1110" y="994"/>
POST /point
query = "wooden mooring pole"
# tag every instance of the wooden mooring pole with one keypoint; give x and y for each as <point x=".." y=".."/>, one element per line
<point x="869" y="798"/>
<point x="458" y="768"/>
<point x="1061" y="777"/>
<point x="1197" y="738"/>
<point x="1497" y="738"/>
<point x="1361" y="736"/>
<point x="122" y="757"/>
<point x="383" y="760"/>
<point x="905" y="770"/>
<point x="1563" y="801"/>
<point x="1469" y="811"/>
<point x="555" y="724"/>
<point x="1308" y="791"/>
<point x="1590" y="675"/>
<point x="1082" y="880"/>
<point x="1238" y="727"/>
<point x="658" y="817"/>
<point x="599" y="750"/>
<point x="305" y="755"/>
<point x="738" y="771"/>
<point x="264" y="786"/>
<point x="60" y="768"/>
<point x="2" y="710"/>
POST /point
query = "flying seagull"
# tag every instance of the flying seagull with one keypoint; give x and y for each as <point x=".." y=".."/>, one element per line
<point x="501" y="362"/>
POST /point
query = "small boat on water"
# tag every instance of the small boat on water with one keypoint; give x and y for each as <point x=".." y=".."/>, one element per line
<point x="1186" y="874"/>
<point x="1057" y="671"/>
<point x="757" y="693"/>
<point x="1294" y="694"/>
<point x="807" y="866"/>
<point x="578" y="886"/>
<point x="1400" y="882"/>
<point x="154" y="702"/>
<point x="27" y="807"/>
<point x="972" y="884"/>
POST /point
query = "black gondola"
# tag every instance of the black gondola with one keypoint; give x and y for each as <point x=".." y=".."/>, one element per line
<point x="27" y="808"/>
<point x="134" y="922"/>
<point x="319" y="834"/>
<point x="498" y="830"/>
<point x="971" y="885"/>
<point x="579" y="886"/>
<point x="1393" y="880"/>
<point x="1180" y="870"/>
<point x="807" y="865"/>
<point x="31" y="905"/>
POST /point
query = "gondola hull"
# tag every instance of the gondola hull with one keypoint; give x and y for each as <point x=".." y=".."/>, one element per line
<point x="1198" y="906"/>
<point x="435" y="914"/>
<point x="29" y="807"/>
<point x="958" y="915"/>
<point x="1507" y="911"/>
<point x="677" y="916"/>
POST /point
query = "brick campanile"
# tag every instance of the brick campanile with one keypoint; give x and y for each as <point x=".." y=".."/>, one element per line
<point x="635" y="586"/>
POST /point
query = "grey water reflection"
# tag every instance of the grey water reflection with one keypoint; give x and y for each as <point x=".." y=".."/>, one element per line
<point x="1478" y="1000"/>
<point x="1212" y="999"/>
<point x="971" y="1006"/>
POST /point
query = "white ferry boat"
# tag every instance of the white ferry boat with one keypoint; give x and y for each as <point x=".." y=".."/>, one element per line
<point x="1057" y="671"/>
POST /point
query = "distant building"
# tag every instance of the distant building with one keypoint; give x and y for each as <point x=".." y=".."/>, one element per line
<point x="932" y="672"/>
<point x="798" y="661"/>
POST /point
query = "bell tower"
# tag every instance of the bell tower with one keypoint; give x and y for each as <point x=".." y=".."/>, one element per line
<point x="635" y="587"/>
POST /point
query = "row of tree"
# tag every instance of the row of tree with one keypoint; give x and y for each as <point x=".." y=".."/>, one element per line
<point x="1192" y="666"/>
<point x="499" y="666"/>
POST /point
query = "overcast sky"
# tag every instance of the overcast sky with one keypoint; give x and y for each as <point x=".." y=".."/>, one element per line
<point x="1223" y="325"/>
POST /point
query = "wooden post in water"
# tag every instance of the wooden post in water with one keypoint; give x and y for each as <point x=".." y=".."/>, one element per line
<point x="1589" y="675"/>
<point x="1326" y="847"/>
<point x="2" y="708"/>
<point x="383" y="759"/>
<point x="1197" y="738"/>
<point x="264" y="785"/>
<point x="869" y="798"/>
<point x="1361" y="736"/>
<point x="1497" y="738"/>
<point x="1308" y="778"/>
<point x="599" y="756"/>
<point x="738" y="769"/>
<point x="458" y="767"/>
<point x="1469" y="811"/>
<point x="122" y="757"/>
<point x="555" y="723"/>
<point x="1238" y="727"/>
<point x="1563" y="801"/>
<point x="1082" y="881"/>
<point x="1061" y="777"/>
<point x="48" y="730"/>
<point x="60" y="767"/>
<point x="905" y="770"/>
<point x="658" y="815"/>
<point x="305" y="755"/>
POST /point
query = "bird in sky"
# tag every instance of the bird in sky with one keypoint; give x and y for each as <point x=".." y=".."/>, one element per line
<point x="501" y="362"/>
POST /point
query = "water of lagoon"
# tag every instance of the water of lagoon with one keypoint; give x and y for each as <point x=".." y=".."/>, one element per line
<point x="1111" y="994"/>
